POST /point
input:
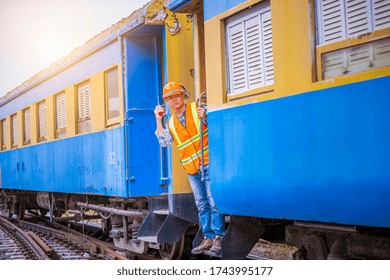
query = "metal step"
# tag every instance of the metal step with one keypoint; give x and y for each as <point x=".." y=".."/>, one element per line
<point x="162" y="212"/>
<point x="152" y="238"/>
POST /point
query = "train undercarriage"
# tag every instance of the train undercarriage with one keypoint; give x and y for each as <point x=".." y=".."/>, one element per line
<point x="160" y="225"/>
<point x="138" y="225"/>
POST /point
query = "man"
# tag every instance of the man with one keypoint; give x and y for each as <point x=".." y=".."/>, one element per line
<point x="184" y="130"/>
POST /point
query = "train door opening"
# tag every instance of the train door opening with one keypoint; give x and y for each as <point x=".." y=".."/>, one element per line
<point x="146" y="171"/>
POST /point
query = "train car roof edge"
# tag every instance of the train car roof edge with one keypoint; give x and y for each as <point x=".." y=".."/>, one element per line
<point x="106" y="37"/>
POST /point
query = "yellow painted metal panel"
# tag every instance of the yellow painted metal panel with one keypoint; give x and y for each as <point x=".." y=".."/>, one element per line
<point x="199" y="55"/>
<point x="20" y="128"/>
<point x="1" y="135"/>
<point x="291" y="46"/>
<point x="34" y="123"/>
<point x="180" y="60"/>
<point x="180" y="64"/>
<point x="8" y="133"/>
<point x="114" y="122"/>
<point x="215" y="64"/>
<point x="71" y="111"/>
<point x="50" y="118"/>
<point x="97" y="102"/>
<point x="121" y="86"/>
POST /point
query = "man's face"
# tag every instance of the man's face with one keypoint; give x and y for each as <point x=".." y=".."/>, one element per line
<point x="176" y="101"/>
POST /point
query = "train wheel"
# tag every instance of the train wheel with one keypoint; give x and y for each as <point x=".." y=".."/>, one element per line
<point x="20" y="210"/>
<point x="172" y="251"/>
<point x="42" y="212"/>
<point x="312" y="248"/>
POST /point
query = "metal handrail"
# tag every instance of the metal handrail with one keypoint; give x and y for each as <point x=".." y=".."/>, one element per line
<point x="200" y="104"/>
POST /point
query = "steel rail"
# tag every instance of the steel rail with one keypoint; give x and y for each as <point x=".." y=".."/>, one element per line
<point x="37" y="250"/>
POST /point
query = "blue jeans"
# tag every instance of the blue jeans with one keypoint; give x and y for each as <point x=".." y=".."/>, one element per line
<point x="210" y="219"/>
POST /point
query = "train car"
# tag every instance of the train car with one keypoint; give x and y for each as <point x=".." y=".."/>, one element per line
<point x="299" y="126"/>
<point x="297" y="95"/>
<point x="80" y="135"/>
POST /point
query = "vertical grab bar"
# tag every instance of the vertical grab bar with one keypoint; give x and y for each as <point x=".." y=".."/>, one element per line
<point x="163" y="169"/>
<point x="200" y="104"/>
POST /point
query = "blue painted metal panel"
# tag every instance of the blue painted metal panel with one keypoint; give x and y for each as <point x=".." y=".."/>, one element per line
<point x="144" y="84"/>
<point x="9" y="169"/>
<point x="213" y="7"/>
<point x="318" y="156"/>
<point x="175" y="5"/>
<point x="89" y="164"/>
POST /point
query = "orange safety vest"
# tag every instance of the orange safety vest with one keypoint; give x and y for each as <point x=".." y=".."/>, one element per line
<point x="188" y="139"/>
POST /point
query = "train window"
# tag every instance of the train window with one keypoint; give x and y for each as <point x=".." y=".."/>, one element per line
<point x="112" y="95"/>
<point x="60" y="115"/>
<point x="27" y="126"/>
<point x="356" y="59"/>
<point x="84" y="107"/>
<point x="351" y="36"/>
<point x="42" y="123"/>
<point x="3" y="134"/>
<point x="14" y="130"/>
<point x="249" y="49"/>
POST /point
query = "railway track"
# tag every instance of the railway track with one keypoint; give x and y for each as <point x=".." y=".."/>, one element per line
<point x="38" y="238"/>
<point x="15" y="244"/>
<point x="32" y="241"/>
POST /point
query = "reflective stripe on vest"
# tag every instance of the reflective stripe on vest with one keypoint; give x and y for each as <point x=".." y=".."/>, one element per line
<point x="188" y="139"/>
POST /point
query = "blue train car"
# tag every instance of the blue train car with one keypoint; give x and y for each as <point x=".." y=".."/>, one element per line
<point x="298" y="125"/>
<point x="90" y="145"/>
<point x="297" y="95"/>
<point x="80" y="135"/>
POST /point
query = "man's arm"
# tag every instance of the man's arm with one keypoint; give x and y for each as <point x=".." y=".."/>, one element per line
<point x="163" y="135"/>
<point x="159" y="113"/>
<point x="202" y="114"/>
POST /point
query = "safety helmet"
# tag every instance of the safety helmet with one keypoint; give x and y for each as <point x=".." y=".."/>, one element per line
<point x="173" y="88"/>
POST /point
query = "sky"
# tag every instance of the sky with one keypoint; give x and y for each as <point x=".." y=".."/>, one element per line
<point x="36" y="33"/>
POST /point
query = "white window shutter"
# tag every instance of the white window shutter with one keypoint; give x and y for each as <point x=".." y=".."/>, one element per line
<point x="237" y="57"/>
<point x="358" y="17"/>
<point x="4" y="131"/>
<point x="356" y="59"/>
<point x="360" y="58"/>
<point x="267" y="43"/>
<point x="381" y="14"/>
<point x="42" y="121"/>
<point x="87" y="98"/>
<point x="14" y="129"/>
<point x="249" y="47"/>
<point x="84" y="101"/>
<point x="81" y="103"/>
<point x="335" y="63"/>
<point x="27" y="125"/>
<point x="381" y="53"/>
<point x="254" y="59"/>
<point x="341" y="19"/>
<point x="331" y="22"/>
<point x="61" y="111"/>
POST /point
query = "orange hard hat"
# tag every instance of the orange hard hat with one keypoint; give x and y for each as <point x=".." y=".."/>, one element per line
<point x="173" y="88"/>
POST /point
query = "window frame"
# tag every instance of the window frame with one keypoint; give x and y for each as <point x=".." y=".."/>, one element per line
<point x="88" y="118"/>
<point x="343" y="44"/>
<point x="3" y="139"/>
<point x="62" y="130"/>
<point x="40" y="137"/>
<point x="14" y="130"/>
<point x="116" y="119"/>
<point x="25" y="140"/>
<point x="260" y="9"/>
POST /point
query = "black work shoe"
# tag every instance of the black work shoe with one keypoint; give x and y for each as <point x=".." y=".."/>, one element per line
<point x="216" y="248"/>
<point x="204" y="246"/>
